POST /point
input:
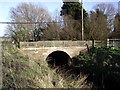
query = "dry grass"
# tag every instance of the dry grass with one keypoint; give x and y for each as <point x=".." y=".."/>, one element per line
<point x="19" y="71"/>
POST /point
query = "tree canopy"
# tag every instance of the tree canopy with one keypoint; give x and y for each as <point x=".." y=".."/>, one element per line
<point x="74" y="9"/>
<point x="116" y="33"/>
<point x="27" y="13"/>
<point x="109" y="10"/>
<point x="98" y="25"/>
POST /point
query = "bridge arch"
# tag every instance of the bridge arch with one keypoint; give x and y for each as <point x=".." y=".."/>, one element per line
<point x="59" y="59"/>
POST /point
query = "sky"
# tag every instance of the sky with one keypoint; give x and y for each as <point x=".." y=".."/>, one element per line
<point x="51" y="5"/>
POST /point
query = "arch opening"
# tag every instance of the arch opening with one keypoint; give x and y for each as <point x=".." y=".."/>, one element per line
<point x="58" y="59"/>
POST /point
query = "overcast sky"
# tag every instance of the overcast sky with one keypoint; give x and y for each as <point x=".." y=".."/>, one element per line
<point x="51" y="5"/>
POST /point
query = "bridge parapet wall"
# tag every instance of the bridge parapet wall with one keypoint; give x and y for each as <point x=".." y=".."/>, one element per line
<point x="54" y="44"/>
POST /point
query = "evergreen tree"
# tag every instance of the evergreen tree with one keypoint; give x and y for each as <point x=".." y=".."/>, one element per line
<point x="74" y="9"/>
<point x="72" y="12"/>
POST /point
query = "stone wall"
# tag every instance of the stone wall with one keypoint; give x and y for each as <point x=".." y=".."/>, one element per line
<point x="54" y="44"/>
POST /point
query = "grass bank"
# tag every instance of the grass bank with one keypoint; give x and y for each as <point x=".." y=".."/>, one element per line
<point x="20" y="71"/>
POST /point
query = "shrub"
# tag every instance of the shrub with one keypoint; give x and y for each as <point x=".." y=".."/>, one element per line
<point x="102" y="65"/>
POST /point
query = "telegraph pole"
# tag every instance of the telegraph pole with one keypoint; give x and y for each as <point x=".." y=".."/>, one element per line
<point x="82" y="34"/>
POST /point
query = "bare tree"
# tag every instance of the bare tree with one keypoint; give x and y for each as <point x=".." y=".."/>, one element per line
<point x="52" y="31"/>
<point x="109" y="10"/>
<point x="116" y="33"/>
<point x="98" y="25"/>
<point x="63" y="30"/>
<point x="27" y="13"/>
<point x="117" y="23"/>
<point x="71" y="30"/>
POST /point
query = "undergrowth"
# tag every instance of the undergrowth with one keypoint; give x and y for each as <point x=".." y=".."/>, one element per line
<point x="102" y="65"/>
<point x="20" y="71"/>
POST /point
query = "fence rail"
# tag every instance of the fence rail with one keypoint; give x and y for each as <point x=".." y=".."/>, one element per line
<point x="114" y="43"/>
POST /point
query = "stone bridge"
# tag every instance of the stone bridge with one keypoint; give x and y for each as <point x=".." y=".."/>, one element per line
<point x="56" y="49"/>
